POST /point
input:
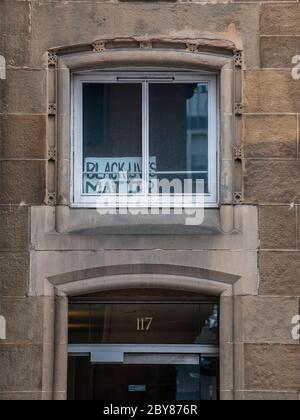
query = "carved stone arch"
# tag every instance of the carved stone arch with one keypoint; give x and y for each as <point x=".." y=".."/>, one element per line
<point x="102" y="279"/>
<point x="65" y="282"/>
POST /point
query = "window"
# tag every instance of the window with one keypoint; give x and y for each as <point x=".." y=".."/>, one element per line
<point x="138" y="136"/>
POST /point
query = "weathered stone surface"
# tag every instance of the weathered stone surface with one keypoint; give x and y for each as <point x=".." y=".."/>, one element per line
<point x="21" y="396"/>
<point x="15" y="49"/>
<point x="272" y="367"/>
<point x="15" y="31"/>
<point x="280" y="19"/>
<point x="277" y="52"/>
<point x="22" y="182"/>
<point x="280" y="273"/>
<point x="67" y="23"/>
<point x="277" y="227"/>
<point x="270" y="396"/>
<point x="17" y="22"/>
<point x="271" y="91"/>
<point x="272" y="181"/>
<point x="24" y="91"/>
<point x="14" y="273"/>
<point x="265" y="319"/>
<point x="13" y="228"/>
<point x="270" y="136"/>
<point x="24" y="317"/>
<point x="21" y="368"/>
<point x="23" y="136"/>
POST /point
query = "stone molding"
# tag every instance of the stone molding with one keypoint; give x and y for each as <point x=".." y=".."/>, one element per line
<point x="218" y="55"/>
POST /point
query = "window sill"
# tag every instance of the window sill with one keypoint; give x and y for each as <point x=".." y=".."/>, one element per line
<point x="91" y="222"/>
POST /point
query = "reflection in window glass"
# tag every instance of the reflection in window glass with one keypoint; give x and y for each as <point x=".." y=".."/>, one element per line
<point x="179" y="133"/>
<point x="79" y="323"/>
<point x="144" y="323"/>
<point x="79" y="378"/>
<point x="209" y="378"/>
<point x="143" y="382"/>
<point x="188" y="382"/>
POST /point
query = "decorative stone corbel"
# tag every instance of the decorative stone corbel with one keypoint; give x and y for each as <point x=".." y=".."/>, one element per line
<point x="51" y="199"/>
<point x="146" y="45"/>
<point x="238" y="152"/>
<point x="52" y="58"/>
<point x="237" y="197"/>
<point x="99" y="46"/>
<point x="238" y="58"/>
<point x="52" y="153"/>
<point x="238" y="109"/>
<point x="52" y="109"/>
<point x="192" y="47"/>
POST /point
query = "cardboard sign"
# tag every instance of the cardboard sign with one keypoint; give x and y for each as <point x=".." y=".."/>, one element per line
<point x="115" y="175"/>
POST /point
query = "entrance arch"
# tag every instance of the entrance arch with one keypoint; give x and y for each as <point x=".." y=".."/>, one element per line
<point x="61" y="288"/>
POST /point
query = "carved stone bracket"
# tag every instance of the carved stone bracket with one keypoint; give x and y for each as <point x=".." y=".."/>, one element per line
<point x="237" y="152"/>
<point x="99" y="46"/>
<point x="52" y="58"/>
<point x="146" y="45"/>
<point x="52" y="153"/>
<point x="238" y="109"/>
<point x="52" y="109"/>
<point x="191" y="47"/>
<point x="237" y="197"/>
<point x="51" y="199"/>
<point x="238" y="58"/>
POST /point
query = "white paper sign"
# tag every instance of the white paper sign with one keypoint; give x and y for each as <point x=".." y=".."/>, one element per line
<point x="115" y="175"/>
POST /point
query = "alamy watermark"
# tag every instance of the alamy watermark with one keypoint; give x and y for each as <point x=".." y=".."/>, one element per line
<point x="296" y="67"/>
<point x="2" y="328"/>
<point x="296" y="327"/>
<point x="2" y="68"/>
<point x="176" y="196"/>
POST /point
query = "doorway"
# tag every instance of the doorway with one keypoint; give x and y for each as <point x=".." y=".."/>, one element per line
<point x="145" y="377"/>
<point x="143" y="350"/>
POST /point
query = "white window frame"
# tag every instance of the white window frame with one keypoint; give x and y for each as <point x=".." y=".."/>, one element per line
<point x="80" y="200"/>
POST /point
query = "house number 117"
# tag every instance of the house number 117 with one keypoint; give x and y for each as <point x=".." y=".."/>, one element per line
<point x="144" y="324"/>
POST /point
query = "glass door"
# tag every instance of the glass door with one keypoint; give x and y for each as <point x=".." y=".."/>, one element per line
<point x="143" y="350"/>
<point x="146" y="377"/>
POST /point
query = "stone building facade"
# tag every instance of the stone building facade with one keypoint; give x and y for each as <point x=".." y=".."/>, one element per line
<point x="246" y="251"/>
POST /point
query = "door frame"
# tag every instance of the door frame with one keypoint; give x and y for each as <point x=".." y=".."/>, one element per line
<point x="115" y="353"/>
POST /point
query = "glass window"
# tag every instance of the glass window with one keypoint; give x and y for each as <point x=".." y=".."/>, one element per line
<point x="144" y="323"/>
<point x="179" y="134"/>
<point x="145" y="135"/>
<point x="112" y="136"/>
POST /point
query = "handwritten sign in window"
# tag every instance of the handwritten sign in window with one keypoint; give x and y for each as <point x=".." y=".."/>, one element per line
<point x="116" y="175"/>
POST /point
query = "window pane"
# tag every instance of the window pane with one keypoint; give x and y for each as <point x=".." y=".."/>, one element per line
<point x="112" y="138"/>
<point x="179" y="134"/>
<point x="79" y="378"/>
<point x="209" y="378"/>
<point x="79" y="323"/>
<point x="144" y="323"/>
